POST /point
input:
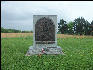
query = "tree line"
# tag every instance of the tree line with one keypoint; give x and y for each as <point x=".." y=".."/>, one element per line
<point x="3" y="30"/>
<point x="79" y="26"/>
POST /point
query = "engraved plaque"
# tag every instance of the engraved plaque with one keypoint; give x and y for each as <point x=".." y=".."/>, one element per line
<point x="44" y="31"/>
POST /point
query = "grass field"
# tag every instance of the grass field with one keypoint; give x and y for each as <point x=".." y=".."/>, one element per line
<point x="78" y="55"/>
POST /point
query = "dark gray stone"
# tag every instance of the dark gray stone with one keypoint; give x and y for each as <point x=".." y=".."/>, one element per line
<point x="45" y="30"/>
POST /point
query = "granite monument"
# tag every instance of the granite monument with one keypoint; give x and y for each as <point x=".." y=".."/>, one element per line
<point x="44" y="35"/>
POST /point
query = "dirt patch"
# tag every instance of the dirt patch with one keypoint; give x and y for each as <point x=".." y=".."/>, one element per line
<point x="11" y="35"/>
<point x="72" y="36"/>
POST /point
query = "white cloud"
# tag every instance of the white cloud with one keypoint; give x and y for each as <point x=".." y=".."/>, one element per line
<point x="18" y="14"/>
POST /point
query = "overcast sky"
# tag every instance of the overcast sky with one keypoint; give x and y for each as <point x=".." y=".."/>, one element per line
<point x="19" y="14"/>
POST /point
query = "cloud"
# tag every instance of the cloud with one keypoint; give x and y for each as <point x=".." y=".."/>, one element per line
<point x="19" y="14"/>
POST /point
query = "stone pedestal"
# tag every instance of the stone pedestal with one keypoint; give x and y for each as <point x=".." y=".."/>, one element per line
<point x="47" y="50"/>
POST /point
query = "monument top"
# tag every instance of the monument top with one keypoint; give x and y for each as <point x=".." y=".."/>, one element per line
<point x="45" y="29"/>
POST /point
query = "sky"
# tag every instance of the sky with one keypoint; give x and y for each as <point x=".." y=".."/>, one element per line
<point x="19" y="14"/>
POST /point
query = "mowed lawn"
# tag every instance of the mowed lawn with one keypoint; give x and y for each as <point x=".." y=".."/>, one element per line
<point x="78" y="55"/>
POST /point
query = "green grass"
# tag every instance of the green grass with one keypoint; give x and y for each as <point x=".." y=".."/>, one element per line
<point x="78" y="55"/>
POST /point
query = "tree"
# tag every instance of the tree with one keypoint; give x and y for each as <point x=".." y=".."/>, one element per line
<point x="92" y="22"/>
<point x="70" y="27"/>
<point x="91" y="28"/>
<point x="79" y="25"/>
<point x="13" y="31"/>
<point x="86" y="28"/>
<point x="62" y="26"/>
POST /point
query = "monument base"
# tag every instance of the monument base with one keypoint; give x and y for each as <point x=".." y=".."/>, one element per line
<point x="48" y="50"/>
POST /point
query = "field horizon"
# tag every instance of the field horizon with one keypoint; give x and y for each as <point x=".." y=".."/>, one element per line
<point x="13" y="35"/>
